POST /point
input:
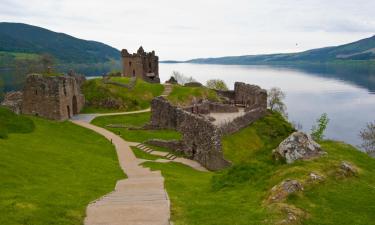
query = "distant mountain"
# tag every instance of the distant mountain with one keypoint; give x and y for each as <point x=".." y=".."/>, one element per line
<point x="24" y="38"/>
<point x="360" y="50"/>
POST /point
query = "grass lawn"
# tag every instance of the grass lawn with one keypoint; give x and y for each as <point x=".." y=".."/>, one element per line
<point x="144" y="155"/>
<point x="98" y="95"/>
<point x="236" y="195"/>
<point x="183" y="96"/>
<point x="50" y="175"/>
<point x="134" y="120"/>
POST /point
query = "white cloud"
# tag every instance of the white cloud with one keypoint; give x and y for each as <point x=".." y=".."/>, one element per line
<point x="198" y="28"/>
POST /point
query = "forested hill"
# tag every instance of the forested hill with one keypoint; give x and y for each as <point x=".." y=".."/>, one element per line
<point x="24" y="38"/>
<point x="362" y="50"/>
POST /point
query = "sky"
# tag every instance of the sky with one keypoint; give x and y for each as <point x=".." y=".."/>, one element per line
<point x="185" y="29"/>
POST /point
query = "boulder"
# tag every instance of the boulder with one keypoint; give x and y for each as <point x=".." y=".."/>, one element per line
<point x="298" y="146"/>
<point x="13" y="101"/>
<point x="348" y="169"/>
<point x="284" y="189"/>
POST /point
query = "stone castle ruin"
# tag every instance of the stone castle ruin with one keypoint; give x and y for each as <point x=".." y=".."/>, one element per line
<point x="141" y="65"/>
<point x="51" y="97"/>
<point x="205" y="123"/>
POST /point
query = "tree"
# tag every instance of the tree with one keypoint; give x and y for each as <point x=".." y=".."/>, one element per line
<point x="368" y="137"/>
<point x="181" y="78"/>
<point x="217" y="85"/>
<point x="275" y="101"/>
<point x="317" y="131"/>
<point x="47" y="61"/>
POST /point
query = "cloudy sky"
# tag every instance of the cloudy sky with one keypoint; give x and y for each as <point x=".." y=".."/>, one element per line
<point x="184" y="29"/>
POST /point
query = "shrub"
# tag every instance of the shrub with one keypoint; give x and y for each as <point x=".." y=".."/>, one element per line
<point x="13" y="123"/>
<point x="217" y="84"/>
<point x="317" y="131"/>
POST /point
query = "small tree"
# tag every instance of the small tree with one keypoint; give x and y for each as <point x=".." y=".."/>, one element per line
<point x="317" y="131"/>
<point x="275" y="101"/>
<point x="217" y="84"/>
<point x="368" y="137"/>
<point x="181" y="78"/>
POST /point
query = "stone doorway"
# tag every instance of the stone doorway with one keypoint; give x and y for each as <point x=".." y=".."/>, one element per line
<point x="75" y="107"/>
<point x="68" y="109"/>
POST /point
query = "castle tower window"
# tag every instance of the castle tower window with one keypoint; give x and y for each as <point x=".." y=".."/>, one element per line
<point x="36" y="92"/>
<point x="130" y="64"/>
<point x="149" y="65"/>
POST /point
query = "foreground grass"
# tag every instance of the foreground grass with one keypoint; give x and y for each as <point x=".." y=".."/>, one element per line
<point x="49" y="176"/>
<point x="183" y="96"/>
<point x="237" y="195"/>
<point x="134" y="121"/>
<point x="98" y="94"/>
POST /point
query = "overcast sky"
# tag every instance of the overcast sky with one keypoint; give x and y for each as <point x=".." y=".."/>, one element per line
<point x="184" y="29"/>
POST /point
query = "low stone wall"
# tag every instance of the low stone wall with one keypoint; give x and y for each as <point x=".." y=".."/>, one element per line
<point x="211" y="107"/>
<point x="242" y="121"/>
<point x="222" y="108"/>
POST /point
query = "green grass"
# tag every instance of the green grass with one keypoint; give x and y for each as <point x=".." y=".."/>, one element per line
<point x="12" y="123"/>
<point x="97" y="93"/>
<point x="183" y="96"/>
<point x="237" y="195"/>
<point x="144" y="155"/>
<point x="134" y="120"/>
<point x="50" y="175"/>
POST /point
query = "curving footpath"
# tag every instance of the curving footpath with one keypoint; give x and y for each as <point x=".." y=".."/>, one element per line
<point x="141" y="199"/>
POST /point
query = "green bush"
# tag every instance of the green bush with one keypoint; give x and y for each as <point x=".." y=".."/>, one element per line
<point x="13" y="123"/>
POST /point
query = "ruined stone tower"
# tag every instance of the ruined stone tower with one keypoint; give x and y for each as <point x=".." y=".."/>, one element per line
<point x="141" y="64"/>
<point x="53" y="97"/>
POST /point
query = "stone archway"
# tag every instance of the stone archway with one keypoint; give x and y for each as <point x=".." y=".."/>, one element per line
<point x="75" y="106"/>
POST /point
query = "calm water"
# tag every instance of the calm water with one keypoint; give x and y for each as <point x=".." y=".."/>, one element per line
<point x="346" y="94"/>
<point x="349" y="103"/>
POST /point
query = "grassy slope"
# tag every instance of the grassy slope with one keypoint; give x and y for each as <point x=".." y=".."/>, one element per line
<point x="183" y="96"/>
<point x="134" y="120"/>
<point x="50" y="175"/>
<point x="236" y="195"/>
<point x="12" y="123"/>
<point x="96" y="92"/>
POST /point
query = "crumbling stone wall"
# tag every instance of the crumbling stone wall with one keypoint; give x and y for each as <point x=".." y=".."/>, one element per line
<point x="207" y="107"/>
<point x="52" y="97"/>
<point x="141" y="64"/>
<point x="250" y="95"/>
<point x="201" y="138"/>
<point x="13" y="101"/>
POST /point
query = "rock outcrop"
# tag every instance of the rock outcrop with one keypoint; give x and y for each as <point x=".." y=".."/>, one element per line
<point x="298" y="146"/>
<point x="347" y="169"/>
<point x="284" y="189"/>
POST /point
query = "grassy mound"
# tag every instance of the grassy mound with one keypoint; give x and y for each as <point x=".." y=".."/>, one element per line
<point x="12" y="123"/>
<point x="237" y="195"/>
<point x="49" y="176"/>
<point x="103" y="97"/>
<point x="183" y="96"/>
<point x="134" y="121"/>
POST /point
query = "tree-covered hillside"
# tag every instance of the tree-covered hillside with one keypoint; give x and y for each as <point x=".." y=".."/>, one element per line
<point x="24" y="38"/>
<point x="362" y="50"/>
